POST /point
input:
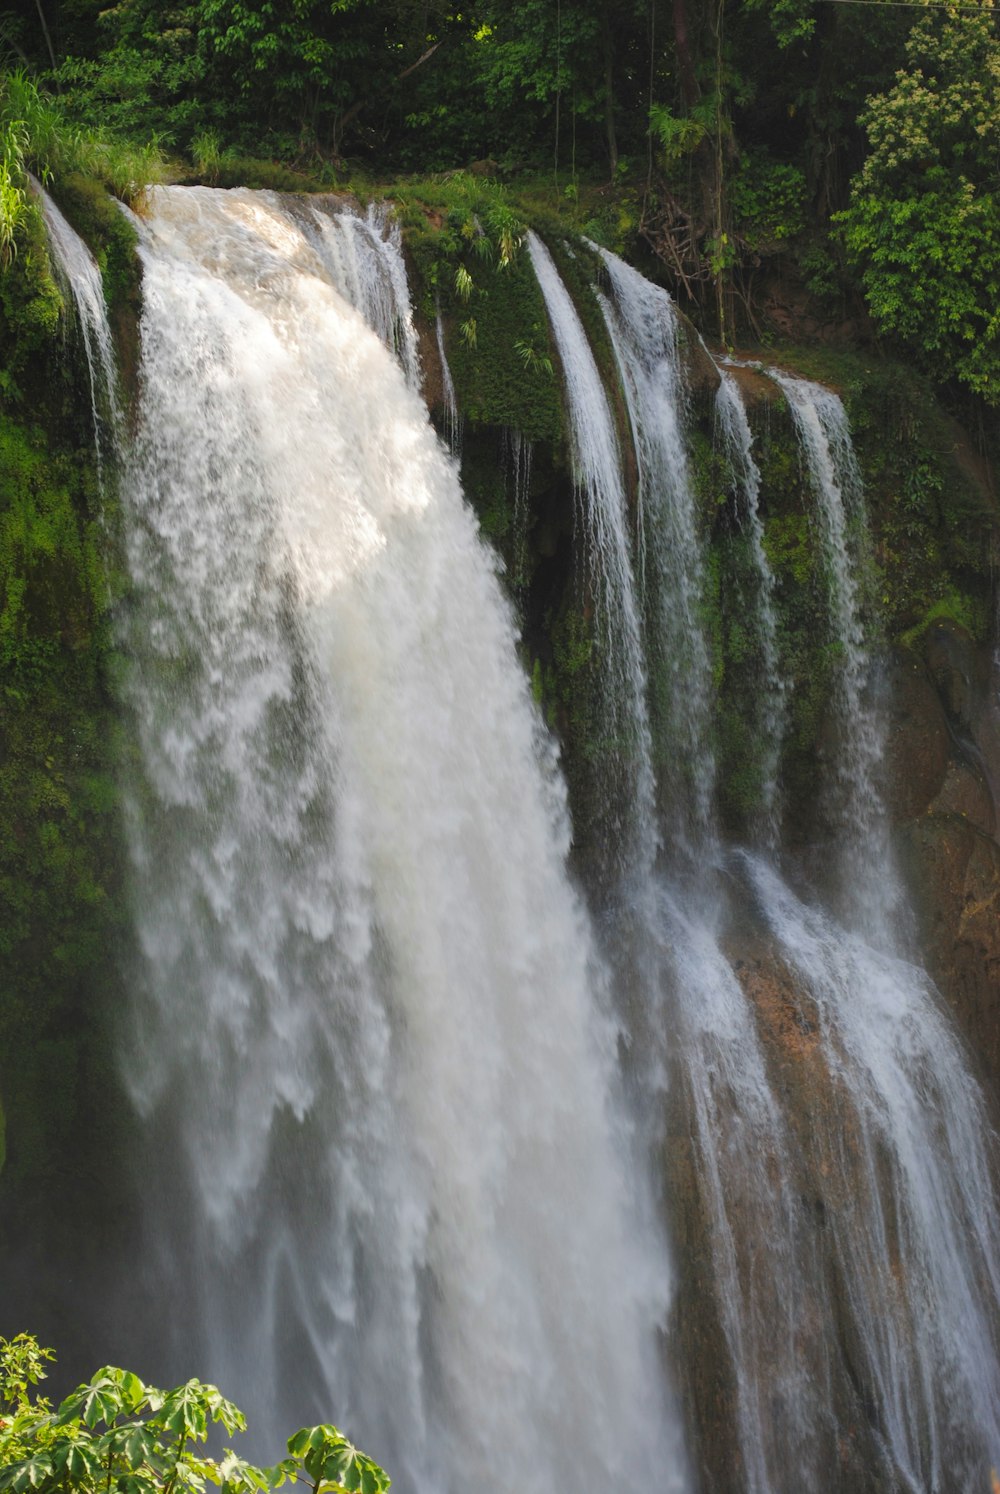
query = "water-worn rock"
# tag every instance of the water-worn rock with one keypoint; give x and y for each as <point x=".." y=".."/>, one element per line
<point x="955" y="874"/>
<point x="943" y="770"/>
<point x="918" y="744"/>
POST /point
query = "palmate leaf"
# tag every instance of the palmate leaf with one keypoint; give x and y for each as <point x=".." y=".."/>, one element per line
<point x="78" y="1460"/>
<point x="99" y="1400"/>
<point x="28" y="1474"/>
<point x="329" y="1457"/>
<point x="224" y="1411"/>
<point x="236" y="1476"/>
<point x="135" y="1443"/>
<point x="184" y="1412"/>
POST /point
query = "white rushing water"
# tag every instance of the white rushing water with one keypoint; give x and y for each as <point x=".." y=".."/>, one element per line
<point x="363" y="255"/>
<point x="369" y="1030"/>
<point x="80" y="276"/>
<point x="770" y="725"/>
<point x="912" y="1213"/>
<point x="642" y="322"/>
<point x="597" y="471"/>
<point x="452" y="417"/>
<point x="852" y="783"/>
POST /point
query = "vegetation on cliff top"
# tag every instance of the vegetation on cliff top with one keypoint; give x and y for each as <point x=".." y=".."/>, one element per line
<point x="848" y="148"/>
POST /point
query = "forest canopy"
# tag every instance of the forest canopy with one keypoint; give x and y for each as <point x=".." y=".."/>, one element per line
<point x="851" y="145"/>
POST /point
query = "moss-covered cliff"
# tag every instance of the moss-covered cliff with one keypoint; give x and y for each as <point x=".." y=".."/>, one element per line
<point x="61" y="841"/>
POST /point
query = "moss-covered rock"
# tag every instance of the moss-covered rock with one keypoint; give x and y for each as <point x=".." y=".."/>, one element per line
<point x="60" y="847"/>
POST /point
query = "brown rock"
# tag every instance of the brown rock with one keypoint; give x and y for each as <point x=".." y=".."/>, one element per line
<point x="918" y="743"/>
<point x="955" y="872"/>
<point x="966" y="792"/>
<point x="960" y="670"/>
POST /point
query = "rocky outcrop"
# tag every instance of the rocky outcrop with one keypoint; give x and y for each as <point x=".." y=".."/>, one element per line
<point x="943" y="774"/>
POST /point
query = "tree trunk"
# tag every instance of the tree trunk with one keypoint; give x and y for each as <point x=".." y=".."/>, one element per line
<point x="609" y="93"/>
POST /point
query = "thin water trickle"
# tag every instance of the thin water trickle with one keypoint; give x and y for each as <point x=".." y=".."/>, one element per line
<point x="452" y="417"/>
<point x="80" y="276"/>
<point x="516" y="454"/>
<point x="770" y="686"/>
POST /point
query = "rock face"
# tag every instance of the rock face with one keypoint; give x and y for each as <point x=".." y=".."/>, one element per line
<point x="944" y="773"/>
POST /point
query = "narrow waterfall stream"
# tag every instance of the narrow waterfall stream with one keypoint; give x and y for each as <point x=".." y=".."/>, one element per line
<point x="81" y="278"/>
<point x="723" y="1097"/>
<point x="452" y="416"/>
<point x="369" y="1026"/>
<point x="915" y="1230"/>
<point x="770" y="723"/>
<point x="627" y="770"/>
<point x="642" y="323"/>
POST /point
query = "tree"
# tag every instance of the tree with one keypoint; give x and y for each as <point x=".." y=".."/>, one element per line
<point x="924" y="216"/>
<point x="117" y="1433"/>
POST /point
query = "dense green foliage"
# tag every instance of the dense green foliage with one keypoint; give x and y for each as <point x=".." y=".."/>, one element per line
<point x="117" y="1433"/>
<point x="924" y="218"/>
<point x="724" y="137"/>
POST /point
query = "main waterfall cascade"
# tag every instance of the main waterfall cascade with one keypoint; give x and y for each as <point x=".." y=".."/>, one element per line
<point x="370" y="1021"/>
<point x="404" y="1180"/>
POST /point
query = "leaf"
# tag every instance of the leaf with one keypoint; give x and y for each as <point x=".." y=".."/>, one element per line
<point x="329" y="1456"/>
<point x="184" y="1411"/>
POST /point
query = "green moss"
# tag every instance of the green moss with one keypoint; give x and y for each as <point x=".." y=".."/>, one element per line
<point x="59" y="844"/>
<point x="492" y="383"/>
<point x="970" y="612"/>
<point x="789" y="548"/>
<point x="99" y="220"/>
<point x="31" y="308"/>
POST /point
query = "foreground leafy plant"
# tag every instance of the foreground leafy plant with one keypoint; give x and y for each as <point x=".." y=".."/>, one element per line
<point x="115" y="1432"/>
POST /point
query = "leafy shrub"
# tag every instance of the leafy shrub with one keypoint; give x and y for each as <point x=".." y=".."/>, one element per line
<point x="117" y="1433"/>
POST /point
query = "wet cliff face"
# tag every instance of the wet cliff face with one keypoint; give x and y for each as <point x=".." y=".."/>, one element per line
<point x="944" y="773"/>
<point x="927" y="605"/>
<point x="928" y="600"/>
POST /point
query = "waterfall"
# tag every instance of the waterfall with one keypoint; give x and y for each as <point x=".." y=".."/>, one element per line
<point x="738" y="442"/>
<point x="600" y="488"/>
<point x="371" y="1037"/>
<point x="906" y="1272"/>
<point x="909" y="1206"/>
<point x="363" y="256"/>
<point x="452" y="418"/>
<point x="79" y="275"/>
<point x="392" y="1176"/>
<point x="642" y="322"/>
<point x="731" y="1121"/>
<point x="819" y="417"/>
<point x="911" y="1210"/>
<point x="516" y="453"/>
